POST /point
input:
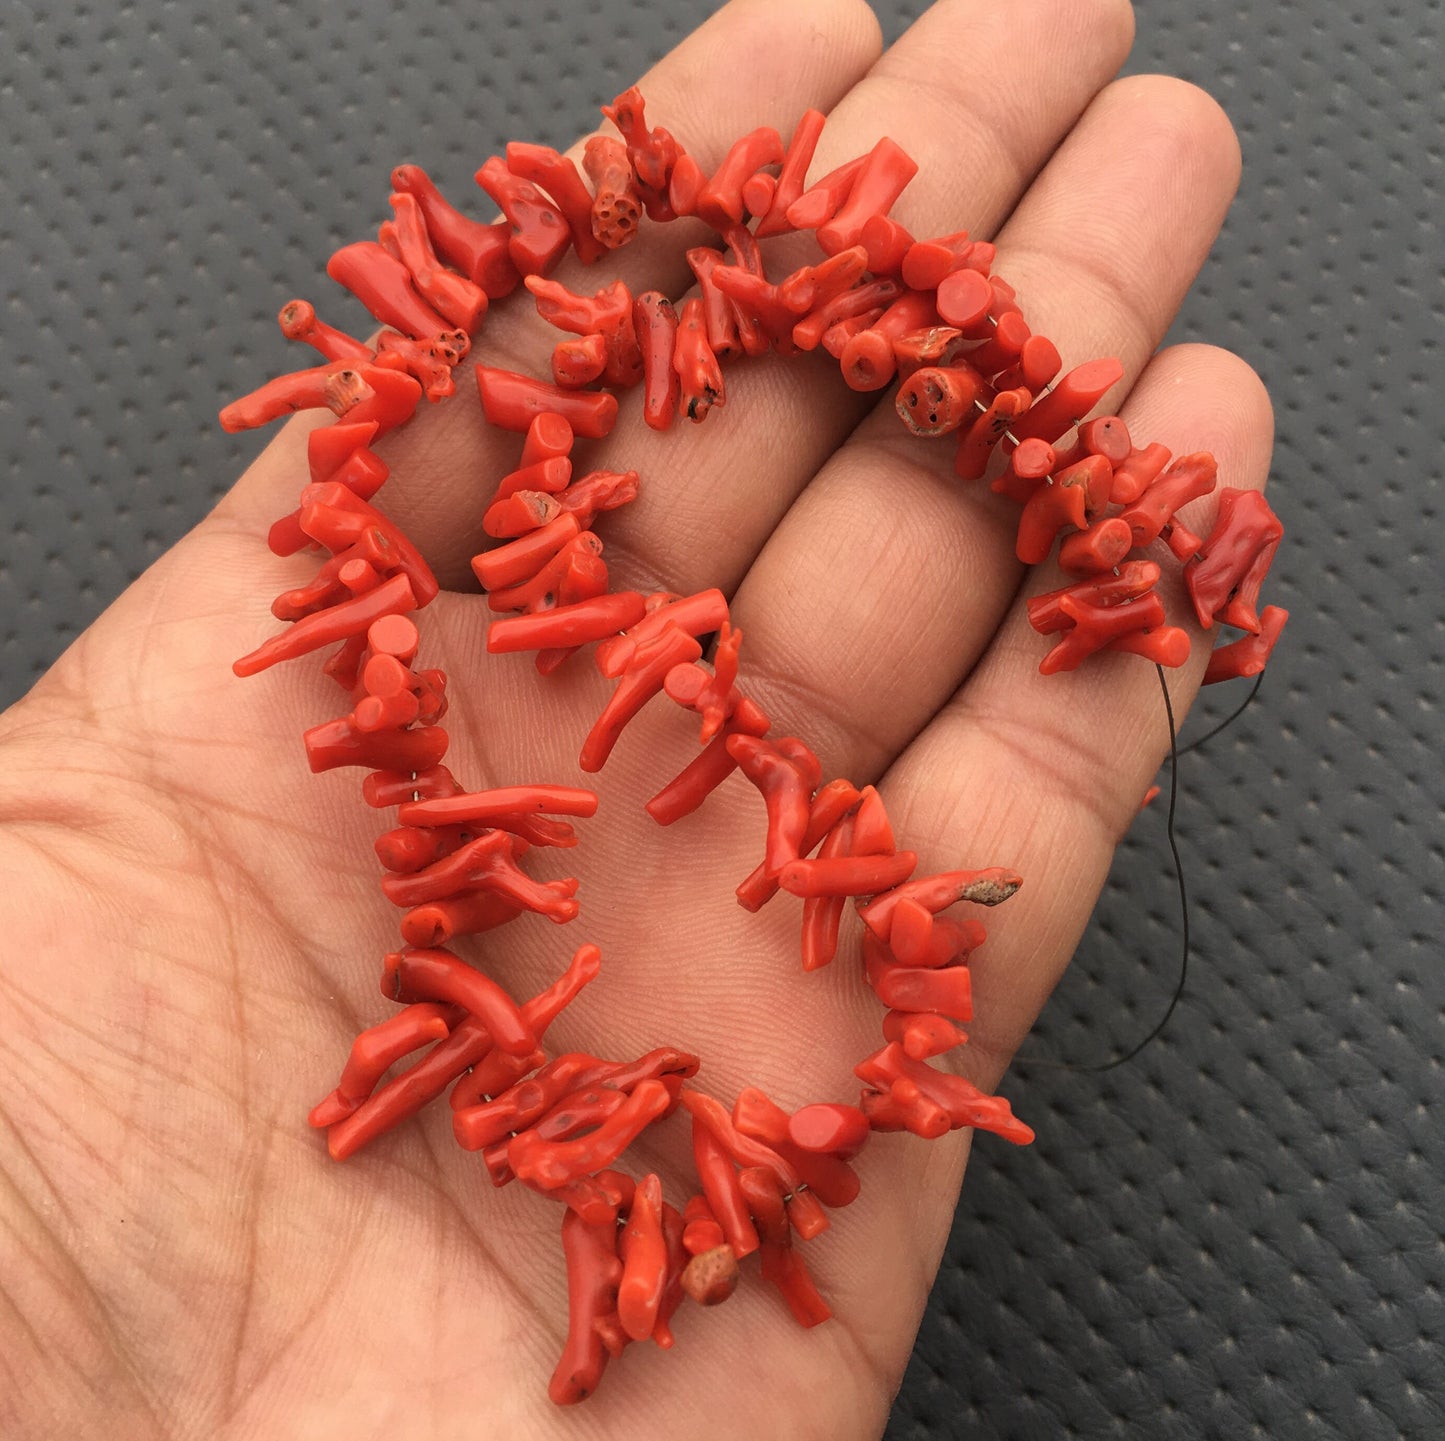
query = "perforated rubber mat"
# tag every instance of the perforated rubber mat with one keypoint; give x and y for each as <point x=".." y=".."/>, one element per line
<point x="1239" y="1235"/>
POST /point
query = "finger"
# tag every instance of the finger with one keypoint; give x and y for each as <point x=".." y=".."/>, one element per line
<point x="886" y="580"/>
<point x="979" y="96"/>
<point x="754" y="58"/>
<point x="1045" y="773"/>
<point x="1042" y="777"/>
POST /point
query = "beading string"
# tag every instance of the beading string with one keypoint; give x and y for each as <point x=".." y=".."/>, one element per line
<point x="1098" y="1067"/>
<point x="1228" y="721"/>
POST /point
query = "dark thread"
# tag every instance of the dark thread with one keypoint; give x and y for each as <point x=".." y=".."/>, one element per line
<point x="1229" y="720"/>
<point x="1158" y="1027"/>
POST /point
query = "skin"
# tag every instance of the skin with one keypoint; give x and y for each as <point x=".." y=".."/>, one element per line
<point x="194" y="930"/>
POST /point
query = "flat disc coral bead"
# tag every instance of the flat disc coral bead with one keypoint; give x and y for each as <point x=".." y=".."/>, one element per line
<point x="963" y="299"/>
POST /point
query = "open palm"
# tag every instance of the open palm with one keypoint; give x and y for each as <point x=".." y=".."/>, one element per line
<point x="194" y="931"/>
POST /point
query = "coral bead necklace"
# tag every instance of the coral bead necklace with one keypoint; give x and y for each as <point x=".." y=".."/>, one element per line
<point x="927" y="313"/>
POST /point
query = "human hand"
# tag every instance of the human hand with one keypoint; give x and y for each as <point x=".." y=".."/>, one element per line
<point x="195" y="925"/>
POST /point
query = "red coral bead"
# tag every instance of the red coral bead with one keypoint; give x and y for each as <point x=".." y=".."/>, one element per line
<point x="337" y="622"/>
<point x="1076" y="394"/>
<point x="829" y="1127"/>
<point x="696" y="781"/>
<point x="643" y="1250"/>
<point x="1224" y="582"/>
<point x="1190" y="477"/>
<point x="882" y="179"/>
<point x="558" y="176"/>
<point x="540" y="236"/>
<point x="435" y="975"/>
<point x="937" y="400"/>
<point x="927" y="263"/>
<point x="1101" y="547"/>
<point x="376" y="1050"/>
<point x="655" y="321"/>
<point x="700" y="381"/>
<point x="964" y="298"/>
<point x="384" y="286"/>
<point x="340" y="386"/>
<point x="567" y="625"/>
<point x="887" y="244"/>
<point x="513" y="401"/>
<point x="1136" y="578"/>
<point x="1051" y="507"/>
<point x="461" y="301"/>
<point x="847" y="875"/>
<point x="1135" y="474"/>
<point x="818" y="204"/>
<point x="593" y="1271"/>
<point x="298" y="321"/>
<point x="652" y="153"/>
<point x="480" y="252"/>
<point x="1250" y="654"/>
<point x="978" y="442"/>
<point x="1094" y="626"/>
<point x="793" y="174"/>
<point x="720" y="201"/>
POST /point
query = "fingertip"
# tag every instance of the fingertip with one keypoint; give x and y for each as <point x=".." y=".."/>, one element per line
<point x="1127" y="22"/>
<point x="1113" y="22"/>
<point x="1250" y="397"/>
<point x="1217" y="397"/>
<point x="850" y="25"/>
<point x="812" y="51"/>
<point x="1189" y="125"/>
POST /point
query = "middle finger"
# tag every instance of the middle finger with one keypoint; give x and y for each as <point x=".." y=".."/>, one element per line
<point x="979" y="95"/>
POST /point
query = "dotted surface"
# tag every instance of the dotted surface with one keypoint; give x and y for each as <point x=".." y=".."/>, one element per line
<point x="1237" y="1236"/>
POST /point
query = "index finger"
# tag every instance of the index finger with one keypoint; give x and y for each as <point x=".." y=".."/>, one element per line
<point x="755" y="58"/>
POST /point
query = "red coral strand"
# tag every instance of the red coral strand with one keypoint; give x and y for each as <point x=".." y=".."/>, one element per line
<point x="883" y="304"/>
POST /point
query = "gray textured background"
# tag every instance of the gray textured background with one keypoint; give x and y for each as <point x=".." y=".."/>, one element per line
<point x="1239" y="1235"/>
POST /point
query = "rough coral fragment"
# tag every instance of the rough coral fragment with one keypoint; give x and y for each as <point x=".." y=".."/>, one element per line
<point x="1250" y="654"/>
<point x="606" y="315"/>
<point x="462" y="301"/>
<point x="468" y="1051"/>
<point x="652" y="153"/>
<point x="912" y="1095"/>
<point x="480" y="252"/>
<point x="1224" y="581"/>
<point x="617" y="203"/>
<point x="486" y="863"/>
